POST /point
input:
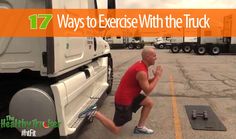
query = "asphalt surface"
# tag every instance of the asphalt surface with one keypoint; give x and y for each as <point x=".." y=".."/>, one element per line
<point x="188" y="79"/>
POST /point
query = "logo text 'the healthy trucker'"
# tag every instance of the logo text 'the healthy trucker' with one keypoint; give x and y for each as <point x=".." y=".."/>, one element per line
<point x="12" y="122"/>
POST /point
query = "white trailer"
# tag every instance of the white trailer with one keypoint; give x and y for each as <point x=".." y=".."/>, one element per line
<point x="184" y="43"/>
<point x="134" y="42"/>
<point x="124" y="42"/>
<point x="149" y="40"/>
<point x="200" y="45"/>
<point x="53" y="78"/>
<point x="217" y="45"/>
<point x="208" y="44"/>
<point x="116" y="42"/>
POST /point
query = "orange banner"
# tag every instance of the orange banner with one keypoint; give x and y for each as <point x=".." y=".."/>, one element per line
<point x="120" y="22"/>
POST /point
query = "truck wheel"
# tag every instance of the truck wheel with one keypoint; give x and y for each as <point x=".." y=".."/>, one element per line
<point x="201" y="50"/>
<point x="161" y="46"/>
<point x="32" y="103"/>
<point x="187" y="49"/>
<point x="131" y="46"/>
<point x="109" y="75"/>
<point x="139" y="46"/>
<point x="175" y="49"/>
<point x="215" y="50"/>
<point x="156" y="46"/>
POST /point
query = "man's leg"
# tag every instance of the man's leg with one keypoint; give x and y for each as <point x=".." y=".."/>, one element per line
<point x="147" y="104"/>
<point x="92" y="112"/>
<point x="109" y="124"/>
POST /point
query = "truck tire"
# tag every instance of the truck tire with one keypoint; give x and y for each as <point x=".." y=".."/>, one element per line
<point x="161" y="46"/>
<point x="214" y="50"/>
<point x="131" y="46"/>
<point x="200" y="50"/>
<point x="34" y="102"/>
<point x="139" y="46"/>
<point x="175" y="49"/>
<point x="109" y="75"/>
<point x="187" y="48"/>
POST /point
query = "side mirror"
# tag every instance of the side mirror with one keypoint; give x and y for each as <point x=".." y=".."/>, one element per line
<point x="111" y="4"/>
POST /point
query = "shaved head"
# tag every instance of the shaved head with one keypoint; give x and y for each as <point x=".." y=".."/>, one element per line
<point x="149" y="55"/>
<point x="147" y="51"/>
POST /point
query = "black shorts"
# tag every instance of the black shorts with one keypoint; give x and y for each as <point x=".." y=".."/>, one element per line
<point x="123" y="114"/>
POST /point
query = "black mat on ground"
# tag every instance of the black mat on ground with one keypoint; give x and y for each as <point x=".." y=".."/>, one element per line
<point x="211" y="124"/>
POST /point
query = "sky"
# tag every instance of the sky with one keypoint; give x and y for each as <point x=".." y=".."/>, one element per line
<point x="172" y="4"/>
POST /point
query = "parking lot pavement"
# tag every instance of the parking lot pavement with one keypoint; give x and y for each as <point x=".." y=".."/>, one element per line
<point x="187" y="79"/>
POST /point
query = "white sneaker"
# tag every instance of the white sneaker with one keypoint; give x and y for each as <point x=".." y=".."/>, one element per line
<point x="143" y="130"/>
<point x="89" y="112"/>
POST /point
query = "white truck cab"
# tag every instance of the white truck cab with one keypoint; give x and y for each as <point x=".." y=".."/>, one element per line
<point x="53" y="78"/>
<point x="161" y="43"/>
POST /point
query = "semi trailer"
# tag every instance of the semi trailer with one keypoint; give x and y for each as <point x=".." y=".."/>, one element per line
<point x="116" y="42"/>
<point x="148" y="40"/>
<point x="226" y="43"/>
<point x="182" y="43"/>
<point x="216" y="45"/>
<point x="125" y="42"/>
<point x="134" y="43"/>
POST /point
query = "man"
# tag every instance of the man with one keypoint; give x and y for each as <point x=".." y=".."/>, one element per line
<point x="128" y="98"/>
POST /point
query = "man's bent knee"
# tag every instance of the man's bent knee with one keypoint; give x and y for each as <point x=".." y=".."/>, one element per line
<point x="148" y="102"/>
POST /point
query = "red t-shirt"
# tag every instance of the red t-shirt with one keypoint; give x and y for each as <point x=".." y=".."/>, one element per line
<point x="129" y="86"/>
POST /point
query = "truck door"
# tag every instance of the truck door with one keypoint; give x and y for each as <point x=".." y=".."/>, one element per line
<point x="67" y="53"/>
<point x="4" y="41"/>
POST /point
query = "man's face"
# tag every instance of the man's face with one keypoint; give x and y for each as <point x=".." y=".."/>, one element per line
<point x="152" y="58"/>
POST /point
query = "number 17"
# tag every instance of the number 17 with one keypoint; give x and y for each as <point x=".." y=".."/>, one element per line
<point x="34" y="21"/>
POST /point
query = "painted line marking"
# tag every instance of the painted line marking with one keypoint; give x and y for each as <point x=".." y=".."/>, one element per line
<point x="178" y="131"/>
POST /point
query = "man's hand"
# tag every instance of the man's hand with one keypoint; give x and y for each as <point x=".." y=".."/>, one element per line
<point x="146" y="84"/>
<point x="158" y="71"/>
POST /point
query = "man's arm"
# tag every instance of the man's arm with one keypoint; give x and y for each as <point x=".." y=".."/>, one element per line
<point x="144" y="83"/>
<point x="150" y="80"/>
